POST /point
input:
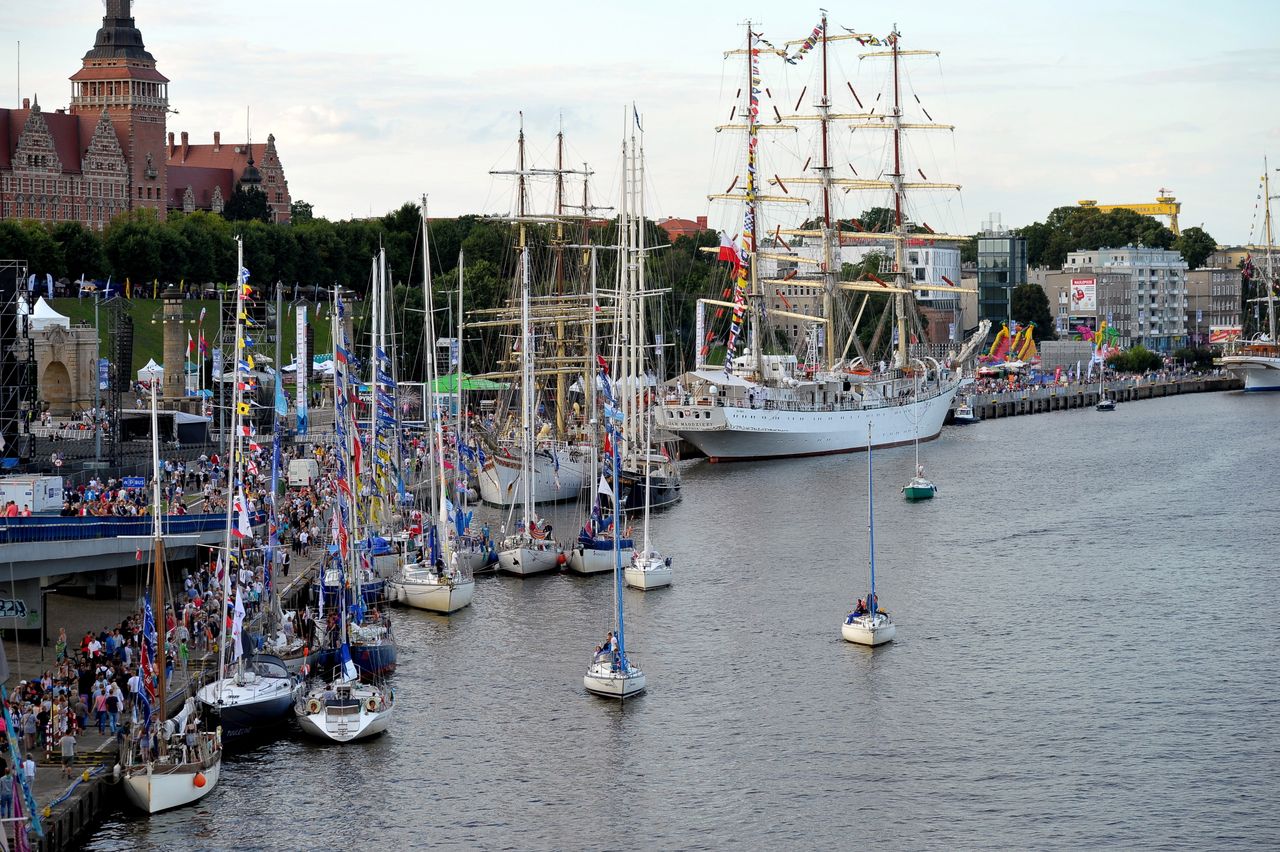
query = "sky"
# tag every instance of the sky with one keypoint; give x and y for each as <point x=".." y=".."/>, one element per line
<point x="376" y="103"/>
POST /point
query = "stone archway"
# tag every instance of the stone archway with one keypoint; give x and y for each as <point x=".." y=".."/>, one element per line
<point x="55" y="388"/>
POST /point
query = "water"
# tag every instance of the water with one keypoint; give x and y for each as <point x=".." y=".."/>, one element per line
<point x="1087" y="629"/>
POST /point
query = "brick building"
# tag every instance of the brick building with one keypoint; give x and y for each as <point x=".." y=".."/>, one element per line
<point x="107" y="153"/>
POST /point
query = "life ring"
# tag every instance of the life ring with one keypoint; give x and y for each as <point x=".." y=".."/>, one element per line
<point x="313" y="706"/>
<point x="371" y="705"/>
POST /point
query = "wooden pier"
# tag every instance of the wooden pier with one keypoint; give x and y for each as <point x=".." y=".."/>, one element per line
<point x="989" y="406"/>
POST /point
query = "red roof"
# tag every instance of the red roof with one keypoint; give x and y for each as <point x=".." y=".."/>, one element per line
<point x="70" y="136"/>
<point x="202" y="181"/>
<point x="226" y="157"/>
<point x="119" y="72"/>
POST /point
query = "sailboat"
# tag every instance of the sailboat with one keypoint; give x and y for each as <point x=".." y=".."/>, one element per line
<point x="253" y="693"/>
<point x="1257" y="361"/>
<point x="919" y="488"/>
<point x="761" y="405"/>
<point x="173" y="762"/>
<point x="530" y="549"/>
<point x="339" y="707"/>
<point x="1105" y="403"/>
<point x="438" y="582"/>
<point x="349" y="586"/>
<point x="611" y="674"/>
<point x="868" y="624"/>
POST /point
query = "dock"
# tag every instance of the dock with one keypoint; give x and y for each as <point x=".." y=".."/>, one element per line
<point x="70" y="808"/>
<point x="1011" y="403"/>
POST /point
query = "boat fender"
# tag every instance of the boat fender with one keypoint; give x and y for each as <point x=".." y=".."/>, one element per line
<point x="313" y="706"/>
<point x="371" y="705"/>
<point x="199" y="779"/>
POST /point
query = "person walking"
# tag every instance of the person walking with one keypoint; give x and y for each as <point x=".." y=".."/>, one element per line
<point x="68" y="743"/>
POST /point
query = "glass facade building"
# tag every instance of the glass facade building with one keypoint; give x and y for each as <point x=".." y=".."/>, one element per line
<point x="1002" y="266"/>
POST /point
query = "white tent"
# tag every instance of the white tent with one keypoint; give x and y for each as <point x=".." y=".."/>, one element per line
<point x="43" y="316"/>
<point x="151" y="372"/>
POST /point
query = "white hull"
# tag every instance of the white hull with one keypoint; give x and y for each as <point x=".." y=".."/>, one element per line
<point x="645" y="574"/>
<point x="584" y="560"/>
<point x="728" y="433"/>
<point x="600" y="680"/>
<point x="152" y="792"/>
<point x="1260" y="373"/>
<point x="500" y="477"/>
<point x="346" y="722"/>
<point x="869" y="630"/>
<point x="418" y="590"/>
<point x="530" y="558"/>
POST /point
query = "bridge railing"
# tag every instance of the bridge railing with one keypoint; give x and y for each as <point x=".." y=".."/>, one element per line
<point x="38" y="529"/>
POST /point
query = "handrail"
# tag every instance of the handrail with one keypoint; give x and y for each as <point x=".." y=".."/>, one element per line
<point x="51" y="528"/>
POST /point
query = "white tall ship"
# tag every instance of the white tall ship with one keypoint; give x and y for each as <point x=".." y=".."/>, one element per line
<point x="773" y="405"/>
<point x="1257" y="361"/>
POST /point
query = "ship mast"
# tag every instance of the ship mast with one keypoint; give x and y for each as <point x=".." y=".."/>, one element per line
<point x="830" y="244"/>
<point x="1271" y="299"/>
<point x="899" y="249"/>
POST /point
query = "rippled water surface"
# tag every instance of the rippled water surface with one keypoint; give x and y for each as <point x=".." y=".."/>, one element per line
<point x="1086" y="656"/>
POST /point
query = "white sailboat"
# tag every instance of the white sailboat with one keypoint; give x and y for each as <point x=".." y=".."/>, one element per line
<point x="530" y="549"/>
<point x="345" y="709"/>
<point x="439" y="583"/>
<point x="762" y="405"/>
<point x="256" y="693"/>
<point x="1257" y="361"/>
<point x="172" y="762"/>
<point x="611" y="674"/>
<point x="868" y="624"/>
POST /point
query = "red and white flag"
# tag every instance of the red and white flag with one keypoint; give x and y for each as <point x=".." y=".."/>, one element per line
<point x="242" y="528"/>
<point x="728" y="251"/>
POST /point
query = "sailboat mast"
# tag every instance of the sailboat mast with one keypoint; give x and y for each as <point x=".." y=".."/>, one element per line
<point x="457" y="377"/>
<point x="429" y="357"/>
<point x="751" y="231"/>
<point x="589" y="380"/>
<point x="526" y="388"/>
<point x="871" y="527"/>
<point x="830" y="266"/>
<point x="1271" y="299"/>
<point x="238" y="382"/>
<point x="899" y="254"/>
<point x="642" y="328"/>
<point x="157" y="556"/>
<point x="562" y="400"/>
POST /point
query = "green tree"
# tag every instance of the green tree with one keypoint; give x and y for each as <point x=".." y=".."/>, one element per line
<point x="1068" y="229"/>
<point x="1030" y="305"/>
<point x="247" y="203"/>
<point x="132" y="246"/>
<point x="81" y="250"/>
<point x="301" y="211"/>
<point x="44" y="254"/>
<point x="1195" y="245"/>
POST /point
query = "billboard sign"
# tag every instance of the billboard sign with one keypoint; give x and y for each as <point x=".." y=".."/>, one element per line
<point x="1224" y="333"/>
<point x="1084" y="294"/>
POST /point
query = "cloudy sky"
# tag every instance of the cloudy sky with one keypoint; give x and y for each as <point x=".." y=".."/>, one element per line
<point x="376" y="102"/>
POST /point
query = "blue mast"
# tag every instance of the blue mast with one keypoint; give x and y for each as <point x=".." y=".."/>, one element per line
<point x="873" y="604"/>
<point x="617" y="561"/>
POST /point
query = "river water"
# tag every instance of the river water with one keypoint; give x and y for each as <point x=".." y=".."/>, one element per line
<point x="1088" y="621"/>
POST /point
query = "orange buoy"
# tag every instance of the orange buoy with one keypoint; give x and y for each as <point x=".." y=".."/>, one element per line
<point x="199" y="780"/>
<point x="560" y="560"/>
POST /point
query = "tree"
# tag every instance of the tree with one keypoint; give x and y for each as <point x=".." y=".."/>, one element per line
<point x="301" y="211"/>
<point x="132" y="246"/>
<point x="247" y="203"/>
<point x="81" y="250"/>
<point x="1029" y="304"/>
<point x="1195" y="246"/>
<point x="1068" y="229"/>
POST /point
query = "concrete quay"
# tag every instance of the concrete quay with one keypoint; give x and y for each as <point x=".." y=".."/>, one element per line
<point x="1011" y="403"/>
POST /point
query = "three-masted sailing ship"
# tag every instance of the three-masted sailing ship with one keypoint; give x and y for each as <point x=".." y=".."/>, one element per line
<point x="762" y="404"/>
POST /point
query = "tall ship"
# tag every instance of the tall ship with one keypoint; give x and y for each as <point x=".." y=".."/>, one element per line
<point x="819" y="388"/>
<point x="1257" y="360"/>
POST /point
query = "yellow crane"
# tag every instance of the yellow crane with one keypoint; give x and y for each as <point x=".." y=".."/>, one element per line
<point x="1165" y="205"/>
